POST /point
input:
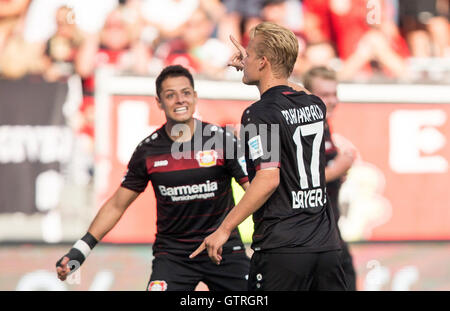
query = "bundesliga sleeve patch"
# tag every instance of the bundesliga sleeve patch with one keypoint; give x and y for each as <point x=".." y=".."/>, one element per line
<point x="255" y="147"/>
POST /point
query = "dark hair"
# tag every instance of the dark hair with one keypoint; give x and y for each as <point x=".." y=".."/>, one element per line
<point x="172" y="71"/>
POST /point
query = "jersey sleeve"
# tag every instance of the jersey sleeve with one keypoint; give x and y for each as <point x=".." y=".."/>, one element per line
<point x="260" y="137"/>
<point x="234" y="158"/>
<point x="136" y="177"/>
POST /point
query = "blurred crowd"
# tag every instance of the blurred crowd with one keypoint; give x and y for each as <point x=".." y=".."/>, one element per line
<point x="364" y="40"/>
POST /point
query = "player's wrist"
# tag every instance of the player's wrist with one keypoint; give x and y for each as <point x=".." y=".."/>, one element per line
<point x="226" y="227"/>
<point x="79" y="251"/>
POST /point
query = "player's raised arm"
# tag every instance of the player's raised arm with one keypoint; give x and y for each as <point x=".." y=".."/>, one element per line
<point x="104" y="221"/>
<point x="340" y="165"/>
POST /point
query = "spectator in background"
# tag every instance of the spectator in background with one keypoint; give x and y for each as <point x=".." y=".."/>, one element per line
<point x="373" y="42"/>
<point x="116" y="45"/>
<point x="425" y="25"/>
<point x="168" y="17"/>
<point x="62" y="47"/>
<point x="197" y="50"/>
<point x="287" y="13"/>
<point x="17" y="57"/>
<point x="314" y="55"/>
<point x="12" y="13"/>
<point x="240" y="18"/>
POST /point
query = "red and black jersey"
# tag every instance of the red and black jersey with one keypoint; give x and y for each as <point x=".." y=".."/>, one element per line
<point x="333" y="186"/>
<point x="192" y="185"/>
<point x="284" y="129"/>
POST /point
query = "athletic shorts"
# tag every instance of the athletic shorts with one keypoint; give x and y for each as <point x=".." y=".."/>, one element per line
<point x="297" y="272"/>
<point x="180" y="273"/>
<point x="349" y="269"/>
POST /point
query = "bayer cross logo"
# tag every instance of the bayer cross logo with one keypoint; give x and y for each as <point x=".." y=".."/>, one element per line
<point x="206" y="158"/>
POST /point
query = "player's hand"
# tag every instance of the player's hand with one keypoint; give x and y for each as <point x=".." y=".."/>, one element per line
<point x="237" y="60"/>
<point x="349" y="156"/>
<point x="213" y="244"/>
<point x="63" y="269"/>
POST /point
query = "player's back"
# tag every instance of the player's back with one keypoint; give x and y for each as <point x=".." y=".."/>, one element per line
<point x="290" y="127"/>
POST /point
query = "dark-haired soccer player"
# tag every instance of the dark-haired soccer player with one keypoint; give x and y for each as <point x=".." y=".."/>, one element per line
<point x="190" y="165"/>
<point x="295" y="241"/>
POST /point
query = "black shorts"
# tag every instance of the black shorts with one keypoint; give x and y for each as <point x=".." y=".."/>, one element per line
<point x="297" y="272"/>
<point x="179" y="273"/>
<point x="349" y="269"/>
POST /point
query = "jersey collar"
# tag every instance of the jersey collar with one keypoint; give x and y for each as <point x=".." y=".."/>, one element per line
<point x="276" y="89"/>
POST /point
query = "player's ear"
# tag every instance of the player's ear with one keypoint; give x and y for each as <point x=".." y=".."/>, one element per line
<point x="263" y="62"/>
<point x="159" y="103"/>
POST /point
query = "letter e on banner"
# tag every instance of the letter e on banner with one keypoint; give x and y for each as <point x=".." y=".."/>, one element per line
<point x="414" y="141"/>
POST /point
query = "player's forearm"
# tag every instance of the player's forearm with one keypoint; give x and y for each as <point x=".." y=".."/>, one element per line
<point x="338" y="168"/>
<point x="259" y="191"/>
<point x="103" y="222"/>
<point x="106" y="218"/>
<point x="333" y="173"/>
<point x="111" y="212"/>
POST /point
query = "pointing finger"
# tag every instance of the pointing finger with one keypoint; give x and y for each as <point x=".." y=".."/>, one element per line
<point x="237" y="45"/>
<point x="200" y="249"/>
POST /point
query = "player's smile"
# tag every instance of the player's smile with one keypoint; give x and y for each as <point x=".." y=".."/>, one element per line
<point x="178" y="99"/>
<point x="181" y="110"/>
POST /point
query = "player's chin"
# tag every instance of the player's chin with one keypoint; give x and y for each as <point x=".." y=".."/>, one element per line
<point x="181" y="118"/>
<point x="248" y="81"/>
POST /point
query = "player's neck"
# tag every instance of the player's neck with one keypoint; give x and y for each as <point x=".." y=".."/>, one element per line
<point x="270" y="81"/>
<point x="180" y="131"/>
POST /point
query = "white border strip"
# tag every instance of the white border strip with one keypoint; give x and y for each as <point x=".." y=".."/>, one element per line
<point x="229" y="90"/>
<point x="394" y="93"/>
<point x="236" y="90"/>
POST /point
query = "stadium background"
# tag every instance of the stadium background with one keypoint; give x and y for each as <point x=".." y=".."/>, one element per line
<point x="61" y="155"/>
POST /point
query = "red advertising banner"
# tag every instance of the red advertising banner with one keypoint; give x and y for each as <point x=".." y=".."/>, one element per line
<point x="398" y="187"/>
<point x="396" y="190"/>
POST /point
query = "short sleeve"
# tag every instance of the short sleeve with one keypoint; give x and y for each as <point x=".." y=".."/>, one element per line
<point x="234" y="158"/>
<point x="136" y="178"/>
<point x="260" y="136"/>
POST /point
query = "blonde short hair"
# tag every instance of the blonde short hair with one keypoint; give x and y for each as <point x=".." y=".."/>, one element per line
<point x="318" y="72"/>
<point x="279" y="45"/>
